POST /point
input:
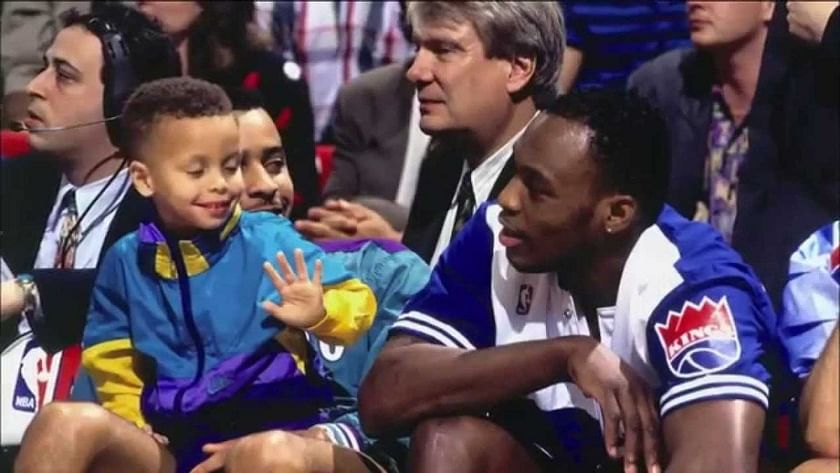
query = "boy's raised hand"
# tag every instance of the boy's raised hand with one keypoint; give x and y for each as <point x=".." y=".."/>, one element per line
<point x="302" y="299"/>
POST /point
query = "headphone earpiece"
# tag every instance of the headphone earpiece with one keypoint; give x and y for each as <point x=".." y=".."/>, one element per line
<point x="119" y="77"/>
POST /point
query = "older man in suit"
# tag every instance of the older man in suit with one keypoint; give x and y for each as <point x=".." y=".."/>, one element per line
<point x="477" y="90"/>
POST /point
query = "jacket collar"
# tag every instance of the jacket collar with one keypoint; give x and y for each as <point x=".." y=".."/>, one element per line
<point x="198" y="254"/>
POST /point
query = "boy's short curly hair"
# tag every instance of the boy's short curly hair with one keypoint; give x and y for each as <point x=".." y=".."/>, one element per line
<point x="174" y="97"/>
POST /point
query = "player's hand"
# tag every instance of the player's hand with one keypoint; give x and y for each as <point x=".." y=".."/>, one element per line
<point x="625" y="400"/>
<point x="159" y="438"/>
<point x="302" y="300"/>
<point x="808" y="20"/>
<point x="218" y="454"/>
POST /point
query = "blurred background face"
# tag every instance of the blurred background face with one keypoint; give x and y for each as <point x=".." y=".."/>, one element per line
<point x="268" y="185"/>
<point x="175" y="18"/>
<point x="457" y="85"/>
<point x="68" y="91"/>
<point x="719" y="24"/>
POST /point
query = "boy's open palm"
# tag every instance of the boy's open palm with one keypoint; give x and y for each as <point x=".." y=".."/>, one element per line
<point x="302" y="300"/>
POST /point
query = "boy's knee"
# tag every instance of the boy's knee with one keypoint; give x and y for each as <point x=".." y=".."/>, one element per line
<point x="76" y="416"/>
<point x="269" y="451"/>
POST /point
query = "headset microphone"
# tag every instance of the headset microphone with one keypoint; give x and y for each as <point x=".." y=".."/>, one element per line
<point x="21" y="126"/>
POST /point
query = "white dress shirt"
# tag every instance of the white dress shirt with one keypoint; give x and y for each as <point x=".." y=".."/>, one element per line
<point x="483" y="178"/>
<point x="415" y="150"/>
<point x="92" y="228"/>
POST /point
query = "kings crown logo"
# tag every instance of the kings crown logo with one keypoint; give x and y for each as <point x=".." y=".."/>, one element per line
<point x="700" y="339"/>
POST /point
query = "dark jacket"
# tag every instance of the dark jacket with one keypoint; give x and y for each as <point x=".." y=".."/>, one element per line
<point x="30" y="185"/>
<point x="370" y="127"/>
<point x="788" y="183"/>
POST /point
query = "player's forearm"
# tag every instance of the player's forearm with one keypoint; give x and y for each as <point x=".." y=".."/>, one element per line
<point x="412" y="380"/>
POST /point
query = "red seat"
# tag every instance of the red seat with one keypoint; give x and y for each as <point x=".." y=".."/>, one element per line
<point x="324" y="163"/>
<point x="13" y="144"/>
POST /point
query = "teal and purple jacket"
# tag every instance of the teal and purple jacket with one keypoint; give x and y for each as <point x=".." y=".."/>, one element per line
<point x="182" y="343"/>
<point x="394" y="273"/>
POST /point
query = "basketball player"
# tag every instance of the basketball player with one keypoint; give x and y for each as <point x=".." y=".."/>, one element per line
<point x="577" y="284"/>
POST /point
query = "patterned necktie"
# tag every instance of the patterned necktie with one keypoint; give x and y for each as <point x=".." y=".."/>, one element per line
<point x="69" y="235"/>
<point x="466" y="204"/>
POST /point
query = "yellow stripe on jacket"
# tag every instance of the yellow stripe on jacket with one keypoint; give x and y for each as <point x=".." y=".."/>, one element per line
<point x="111" y="365"/>
<point x="351" y="308"/>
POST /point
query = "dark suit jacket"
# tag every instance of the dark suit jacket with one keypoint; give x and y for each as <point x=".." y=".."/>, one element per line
<point x="788" y="183"/>
<point x="436" y="186"/>
<point x="29" y="188"/>
<point x="370" y="127"/>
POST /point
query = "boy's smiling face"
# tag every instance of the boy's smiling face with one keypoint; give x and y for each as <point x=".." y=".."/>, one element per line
<point x="190" y="169"/>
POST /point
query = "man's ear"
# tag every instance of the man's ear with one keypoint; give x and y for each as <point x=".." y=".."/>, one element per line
<point x="522" y="69"/>
<point x="141" y="179"/>
<point x="618" y="213"/>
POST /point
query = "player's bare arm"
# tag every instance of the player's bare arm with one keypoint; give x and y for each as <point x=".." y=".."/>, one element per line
<point x="713" y="436"/>
<point x="413" y="380"/>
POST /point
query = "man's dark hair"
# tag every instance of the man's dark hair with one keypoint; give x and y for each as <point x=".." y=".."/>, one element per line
<point x="628" y="141"/>
<point x="152" y="54"/>
<point x="175" y="97"/>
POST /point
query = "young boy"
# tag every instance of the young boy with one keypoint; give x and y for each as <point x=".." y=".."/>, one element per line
<point x="392" y="271"/>
<point x="177" y="339"/>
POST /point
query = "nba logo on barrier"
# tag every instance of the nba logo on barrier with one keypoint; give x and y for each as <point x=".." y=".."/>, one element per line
<point x="34" y="376"/>
<point x="700" y="339"/>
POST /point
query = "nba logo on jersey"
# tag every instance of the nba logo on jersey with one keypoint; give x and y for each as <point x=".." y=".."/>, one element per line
<point x="34" y="376"/>
<point x="526" y="294"/>
<point x="834" y="264"/>
<point x="700" y="339"/>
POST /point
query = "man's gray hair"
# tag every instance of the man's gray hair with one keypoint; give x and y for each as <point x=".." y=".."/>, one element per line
<point x="508" y="29"/>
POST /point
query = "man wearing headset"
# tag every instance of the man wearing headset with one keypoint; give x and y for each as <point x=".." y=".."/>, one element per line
<point x="67" y="202"/>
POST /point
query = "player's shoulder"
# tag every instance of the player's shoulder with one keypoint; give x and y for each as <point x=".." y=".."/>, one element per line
<point x="702" y="257"/>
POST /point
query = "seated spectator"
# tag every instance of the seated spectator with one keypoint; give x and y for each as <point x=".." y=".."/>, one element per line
<point x="178" y="283"/>
<point x="752" y="116"/>
<point x="482" y="71"/>
<point x="608" y="40"/>
<point x="820" y="409"/>
<point x="392" y="272"/>
<point x="67" y="202"/>
<point x="579" y="286"/>
<point x="378" y="143"/>
<point x="28" y="28"/>
<point x="219" y="42"/>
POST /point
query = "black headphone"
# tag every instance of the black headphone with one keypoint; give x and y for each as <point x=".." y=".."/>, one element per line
<point x="119" y="77"/>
